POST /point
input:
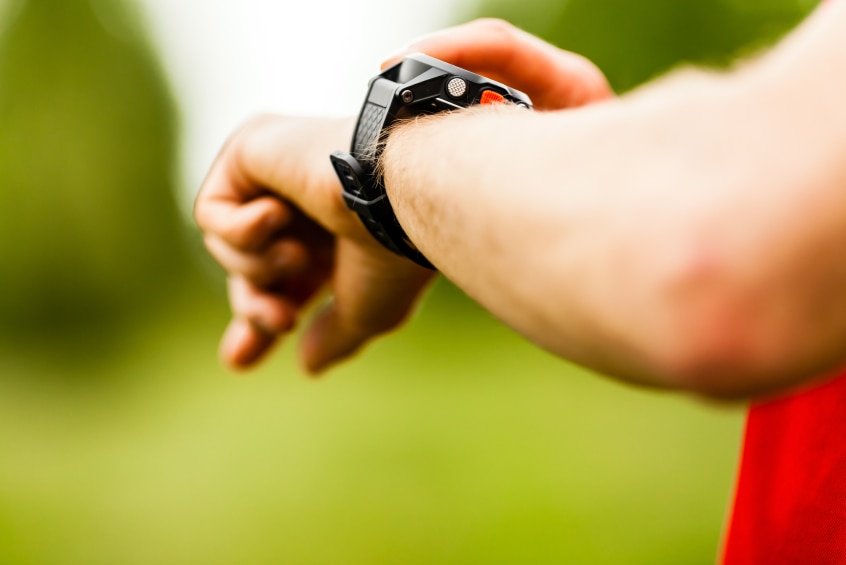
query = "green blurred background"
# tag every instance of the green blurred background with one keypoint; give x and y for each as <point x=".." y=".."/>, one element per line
<point x="453" y="441"/>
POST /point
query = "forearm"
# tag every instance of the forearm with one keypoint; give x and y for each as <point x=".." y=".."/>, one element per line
<point x="553" y="222"/>
<point x="620" y="236"/>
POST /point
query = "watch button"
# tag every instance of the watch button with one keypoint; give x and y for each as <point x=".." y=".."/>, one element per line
<point x="491" y="97"/>
<point x="456" y="87"/>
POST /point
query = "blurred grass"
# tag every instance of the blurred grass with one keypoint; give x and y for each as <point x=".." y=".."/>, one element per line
<point x="89" y="232"/>
<point x="451" y="442"/>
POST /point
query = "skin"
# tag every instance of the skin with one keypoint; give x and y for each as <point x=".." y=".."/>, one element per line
<point x="685" y="236"/>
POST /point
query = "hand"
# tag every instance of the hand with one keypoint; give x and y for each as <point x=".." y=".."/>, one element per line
<point x="272" y="214"/>
<point x="553" y="78"/>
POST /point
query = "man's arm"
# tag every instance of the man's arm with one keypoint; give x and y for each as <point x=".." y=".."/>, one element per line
<point x="688" y="235"/>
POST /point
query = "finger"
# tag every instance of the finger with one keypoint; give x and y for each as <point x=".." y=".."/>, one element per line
<point x="329" y="340"/>
<point x="243" y="344"/>
<point x="552" y="77"/>
<point x="283" y="258"/>
<point x="270" y="312"/>
<point x="372" y="295"/>
<point x="247" y="225"/>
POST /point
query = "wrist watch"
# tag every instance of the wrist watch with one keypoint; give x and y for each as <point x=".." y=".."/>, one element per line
<point x="417" y="85"/>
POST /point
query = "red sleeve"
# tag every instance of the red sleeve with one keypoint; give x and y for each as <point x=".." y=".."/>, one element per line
<point x="790" y="504"/>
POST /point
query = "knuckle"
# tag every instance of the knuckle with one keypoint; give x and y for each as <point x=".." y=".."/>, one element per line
<point x="238" y="142"/>
<point x="214" y="248"/>
<point x="200" y="214"/>
<point x="202" y="211"/>
<point x="240" y="235"/>
<point x="377" y="324"/>
<point x="209" y="242"/>
<point x="259" y="271"/>
<point x="496" y="26"/>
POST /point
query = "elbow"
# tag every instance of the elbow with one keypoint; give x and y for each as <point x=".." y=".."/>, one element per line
<point x="728" y="334"/>
<point x="710" y="356"/>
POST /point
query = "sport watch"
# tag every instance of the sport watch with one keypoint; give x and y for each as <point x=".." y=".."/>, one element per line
<point x="417" y="85"/>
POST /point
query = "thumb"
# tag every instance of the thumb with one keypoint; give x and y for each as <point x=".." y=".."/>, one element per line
<point x="374" y="291"/>
<point x="330" y="338"/>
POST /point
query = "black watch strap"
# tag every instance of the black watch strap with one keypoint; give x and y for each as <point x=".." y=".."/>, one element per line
<point x="375" y="211"/>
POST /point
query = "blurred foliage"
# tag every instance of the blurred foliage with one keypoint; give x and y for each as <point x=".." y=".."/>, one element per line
<point x="89" y="234"/>
<point x="454" y="442"/>
<point x="634" y="41"/>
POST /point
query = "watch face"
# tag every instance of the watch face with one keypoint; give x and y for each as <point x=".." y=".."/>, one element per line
<point x="407" y="70"/>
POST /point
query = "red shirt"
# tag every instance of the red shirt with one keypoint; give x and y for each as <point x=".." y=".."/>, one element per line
<point x="790" y="505"/>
